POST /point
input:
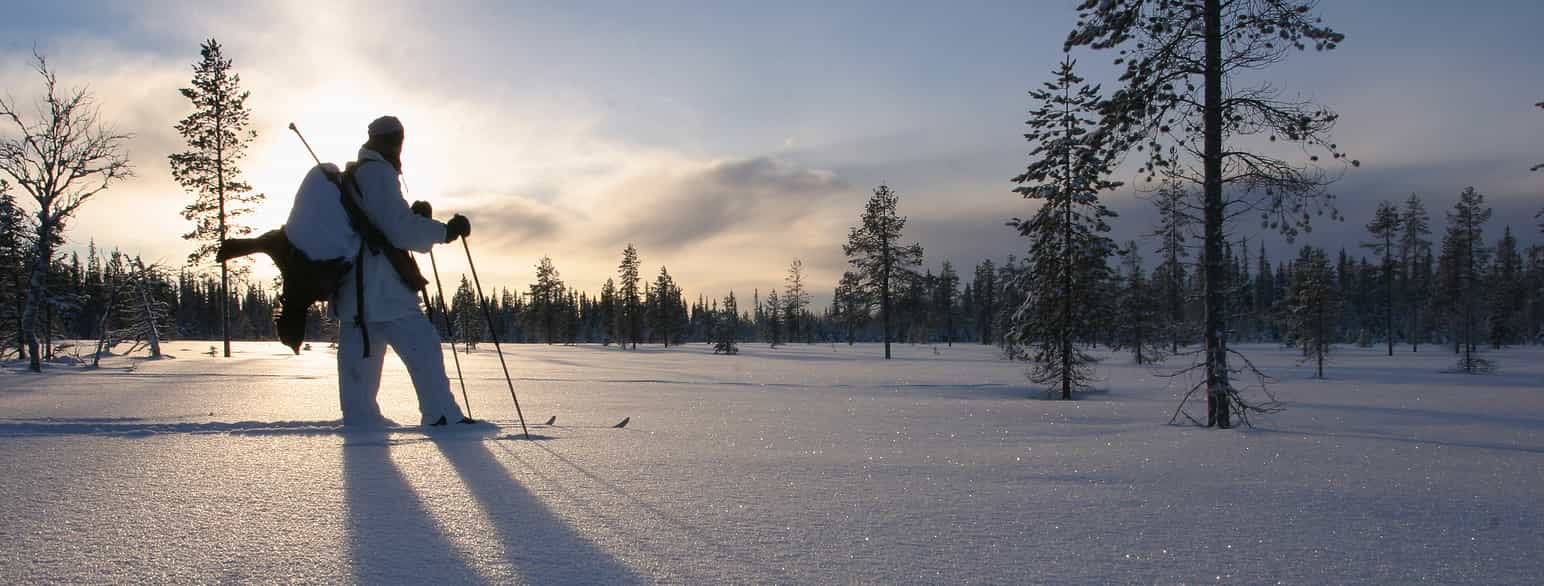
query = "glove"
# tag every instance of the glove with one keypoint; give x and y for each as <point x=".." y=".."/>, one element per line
<point x="457" y="227"/>
<point x="423" y="208"/>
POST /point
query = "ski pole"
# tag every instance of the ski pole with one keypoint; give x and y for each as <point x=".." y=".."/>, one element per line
<point x="459" y="377"/>
<point x="303" y="141"/>
<point x="488" y="315"/>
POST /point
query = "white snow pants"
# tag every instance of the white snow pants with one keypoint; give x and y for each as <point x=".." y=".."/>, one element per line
<point x="418" y="345"/>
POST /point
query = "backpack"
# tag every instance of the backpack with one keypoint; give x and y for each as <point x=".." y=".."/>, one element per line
<point x="326" y="235"/>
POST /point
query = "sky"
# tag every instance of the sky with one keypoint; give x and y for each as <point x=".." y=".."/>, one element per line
<point x="726" y="139"/>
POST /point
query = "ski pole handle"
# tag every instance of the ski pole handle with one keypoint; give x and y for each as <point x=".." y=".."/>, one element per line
<point x="303" y="141"/>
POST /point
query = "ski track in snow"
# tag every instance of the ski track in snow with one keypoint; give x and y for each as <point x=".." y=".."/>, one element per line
<point x="801" y="464"/>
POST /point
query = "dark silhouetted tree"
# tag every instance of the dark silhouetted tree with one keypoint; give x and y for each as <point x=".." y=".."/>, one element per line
<point x="795" y="298"/>
<point x="218" y="135"/>
<point x="1465" y="256"/>
<point x="726" y="334"/>
<point x="1415" y="258"/>
<point x="877" y="256"/>
<point x="1174" y="221"/>
<point x="1385" y="230"/>
<point x="629" y="303"/>
<point x="1136" y="315"/>
<point x="987" y="290"/>
<point x="1506" y="292"/>
<point x="1184" y="102"/>
<point x="547" y="296"/>
<point x="1313" y="305"/>
<point x="63" y="156"/>
<point x="1068" y="250"/>
<point x="946" y="294"/>
<point x="854" y="306"/>
<point x="773" y="320"/>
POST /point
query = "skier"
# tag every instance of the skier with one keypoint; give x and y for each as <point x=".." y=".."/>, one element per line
<point x="391" y="315"/>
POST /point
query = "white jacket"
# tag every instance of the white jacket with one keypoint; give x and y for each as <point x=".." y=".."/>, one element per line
<point x="386" y="297"/>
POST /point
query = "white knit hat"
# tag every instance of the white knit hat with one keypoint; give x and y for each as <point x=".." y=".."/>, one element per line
<point x="385" y="125"/>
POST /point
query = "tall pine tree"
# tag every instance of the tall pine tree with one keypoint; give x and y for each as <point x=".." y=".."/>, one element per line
<point x="877" y="256"/>
<point x="1174" y="221"/>
<point x="1184" y="97"/>
<point x="1506" y="292"/>
<point x="218" y="135"/>
<point x="1385" y="229"/>
<point x="1415" y="259"/>
<point x="629" y="306"/>
<point x="1465" y="256"/>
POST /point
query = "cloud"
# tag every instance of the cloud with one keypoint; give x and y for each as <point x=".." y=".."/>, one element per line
<point x="508" y="219"/>
<point x="675" y="209"/>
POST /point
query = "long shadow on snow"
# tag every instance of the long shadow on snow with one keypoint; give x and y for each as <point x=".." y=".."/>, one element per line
<point x="1404" y="440"/>
<point x="1443" y="417"/>
<point x="699" y="538"/>
<point x="392" y="539"/>
<point x="139" y="427"/>
<point x="1436" y="376"/>
<point x="540" y="545"/>
<point x="134" y="427"/>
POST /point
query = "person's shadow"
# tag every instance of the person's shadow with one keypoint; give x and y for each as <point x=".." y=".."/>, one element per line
<point x="542" y="548"/>
<point x="393" y="539"/>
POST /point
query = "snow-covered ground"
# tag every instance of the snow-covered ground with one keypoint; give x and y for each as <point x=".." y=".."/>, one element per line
<point x="803" y="464"/>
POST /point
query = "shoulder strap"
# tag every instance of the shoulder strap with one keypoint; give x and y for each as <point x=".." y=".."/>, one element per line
<point x="348" y="187"/>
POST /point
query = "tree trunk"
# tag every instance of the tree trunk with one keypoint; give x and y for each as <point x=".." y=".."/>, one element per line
<point x="1388" y="283"/>
<point x="36" y="290"/>
<point x="155" y="336"/>
<point x="1217" y="408"/>
<point x="884" y="293"/>
<point x="48" y="331"/>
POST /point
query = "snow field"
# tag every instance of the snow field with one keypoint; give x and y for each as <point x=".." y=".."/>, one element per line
<point x="801" y="464"/>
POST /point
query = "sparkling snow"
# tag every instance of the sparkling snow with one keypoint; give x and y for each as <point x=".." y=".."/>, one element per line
<point x="803" y="464"/>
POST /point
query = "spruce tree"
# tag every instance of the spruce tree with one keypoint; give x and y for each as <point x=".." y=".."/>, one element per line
<point x="1506" y="293"/>
<point x="663" y="312"/>
<point x="1183" y="96"/>
<point x="946" y="292"/>
<point x="1265" y="295"/>
<point x="548" y="299"/>
<point x="1174" y="221"/>
<point x="218" y="135"/>
<point x="774" y="320"/>
<point x="606" y="312"/>
<point x="1533" y="288"/>
<point x="1385" y="230"/>
<point x="1136" y="312"/>
<point x="629" y="307"/>
<point x="1312" y="304"/>
<point x="877" y="256"/>
<point x="853" y="305"/>
<point x="1466" y="255"/>
<point x="1068" y="250"/>
<point x="726" y="334"/>
<point x="986" y="302"/>
<point x="14" y="238"/>
<point x="465" y="310"/>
